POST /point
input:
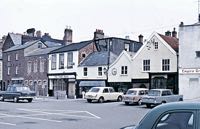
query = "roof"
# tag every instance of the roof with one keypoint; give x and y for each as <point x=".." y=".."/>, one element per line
<point x="72" y="47"/>
<point x="16" y="38"/>
<point x="42" y="51"/>
<point x="172" y="41"/>
<point x="98" y="59"/>
<point x="52" y="44"/>
<point x="18" y="47"/>
<point x="138" y="89"/>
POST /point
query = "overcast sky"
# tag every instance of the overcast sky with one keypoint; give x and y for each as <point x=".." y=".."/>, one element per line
<point x="117" y="18"/>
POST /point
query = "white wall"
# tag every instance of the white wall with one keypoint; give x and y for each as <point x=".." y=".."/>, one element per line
<point x="66" y="70"/>
<point x="189" y="43"/>
<point x="92" y="73"/>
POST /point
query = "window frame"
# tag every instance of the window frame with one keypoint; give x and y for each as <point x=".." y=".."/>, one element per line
<point x="100" y="71"/>
<point x="147" y="65"/>
<point x="70" y="60"/>
<point x="53" y="61"/>
<point x="85" y="71"/>
<point x="124" y="70"/>
<point x="61" y="61"/>
<point x="165" y="64"/>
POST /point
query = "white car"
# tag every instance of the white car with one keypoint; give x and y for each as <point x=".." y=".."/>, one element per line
<point x="102" y="94"/>
<point x="134" y="95"/>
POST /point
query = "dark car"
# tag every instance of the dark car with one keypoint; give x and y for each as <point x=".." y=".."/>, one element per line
<point x="175" y="115"/>
<point x="17" y="92"/>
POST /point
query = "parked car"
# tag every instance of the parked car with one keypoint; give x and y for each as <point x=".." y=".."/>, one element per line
<point x="17" y="92"/>
<point x="134" y="95"/>
<point x="177" y="115"/>
<point x="102" y="94"/>
<point x="160" y="96"/>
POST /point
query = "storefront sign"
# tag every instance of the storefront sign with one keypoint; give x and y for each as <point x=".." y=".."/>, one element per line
<point x="189" y="71"/>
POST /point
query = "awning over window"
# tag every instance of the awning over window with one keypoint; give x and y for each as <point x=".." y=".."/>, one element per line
<point x="92" y="83"/>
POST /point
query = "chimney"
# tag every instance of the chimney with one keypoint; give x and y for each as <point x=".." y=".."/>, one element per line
<point x="181" y="24"/>
<point x="39" y="34"/>
<point x="174" y="33"/>
<point x="68" y="35"/>
<point x="127" y="37"/>
<point x="140" y="38"/>
<point x="168" y="33"/>
<point x="30" y="32"/>
<point x="98" y="34"/>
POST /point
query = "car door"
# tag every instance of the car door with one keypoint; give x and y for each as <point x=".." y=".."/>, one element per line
<point x="112" y="95"/>
<point x="185" y="119"/>
<point x="106" y="94"/>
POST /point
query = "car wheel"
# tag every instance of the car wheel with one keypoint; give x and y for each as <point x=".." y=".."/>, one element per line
<point x="148" y="105"/>
<point x="89" y="100"/>
<point x="119" y="99"/>
<point x="16" y="99"/>
<point x="30" y="100"/>
<point x="101" y="100"/>
<point x="139" y="102"/>
<point x="126" y="103"/>
<point x="1" y="98"/>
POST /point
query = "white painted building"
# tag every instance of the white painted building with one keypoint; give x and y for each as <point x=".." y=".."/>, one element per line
<point x="189" y="60"/>
<point x="153" y="66"/>
<point x="63" y="64"/>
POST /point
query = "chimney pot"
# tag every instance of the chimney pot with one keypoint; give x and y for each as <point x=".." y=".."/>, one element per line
<point x="98" y="34"/>
<point x="140" y="38"/>
<point x="174" y="33"/>
<point x="168" y="33"/>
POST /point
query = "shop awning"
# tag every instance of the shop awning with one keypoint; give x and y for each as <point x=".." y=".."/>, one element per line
<point x="92" y="83"/>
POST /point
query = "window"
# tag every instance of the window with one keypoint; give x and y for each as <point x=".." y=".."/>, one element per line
<point x="35" y="67"/>
<point x="41" y="66"/>
<point x="39" y="45"/>
<point x="29" y="67"/>
<point x="156" y="45"/>
<point x="165" y="65"/>
<point x="16" y="69"/>
<point x="53" y="62"/>
<point x="70" y="60"/>
<point x="176" y="120"/>
<point x="61" y="61"/>
<point x="105" y="91"/>
<point x="197" y="53"/>
<point x="8" y="70"/>
<point x="100" y="71"/>
<point x="8" y="57"/>
<point x="127" y="47"/>
<point x="16" y="56"/>
<point x="124" y="70"/>
<point x="84" y="71"/>
<point x="146" y="65"/>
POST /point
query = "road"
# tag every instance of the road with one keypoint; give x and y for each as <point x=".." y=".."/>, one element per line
<point x="68" y="114"/>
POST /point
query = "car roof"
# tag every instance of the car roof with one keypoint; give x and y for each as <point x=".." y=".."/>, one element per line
<point x="101" y="87"/>
<point x="160" y="89"/>
<point x="138" y="89"/>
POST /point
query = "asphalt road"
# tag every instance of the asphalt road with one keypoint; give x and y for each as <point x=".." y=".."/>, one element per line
<point x="68" y="114"/>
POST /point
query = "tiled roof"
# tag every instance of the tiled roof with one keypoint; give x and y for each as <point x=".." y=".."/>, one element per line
<point x="98" y="59"/>
<point x="18" y="47"/>
<point x="42" y="51"/>
<point x="16" y="38"/>
<point x="172" y="41"/>
<point x="72" y="47"/>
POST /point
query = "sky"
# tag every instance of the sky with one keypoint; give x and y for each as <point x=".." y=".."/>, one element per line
<point x="117" y="18"/>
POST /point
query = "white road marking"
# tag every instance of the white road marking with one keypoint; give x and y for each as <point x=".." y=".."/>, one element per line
<point x="29" y="117"/>
<point x="5" y="123"/>
<point x="61" y="114"/>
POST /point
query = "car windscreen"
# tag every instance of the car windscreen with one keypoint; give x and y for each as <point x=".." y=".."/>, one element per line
<point x="94" y="90"/>
<point x="131" y="92"/>
<point x="22" y="89"/>
<point x="154" y="93"/>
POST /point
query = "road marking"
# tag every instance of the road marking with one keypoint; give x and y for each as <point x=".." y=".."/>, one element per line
<point x="61" y="114"/>
<point x="4" y="123"/>
<point x="29" y="117"/>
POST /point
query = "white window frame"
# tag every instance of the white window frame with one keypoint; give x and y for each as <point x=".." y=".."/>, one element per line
<point x="29" y="67"/>
<point x="61" y="61"/>
<point x="165" y="64"/>
<point x="16" y="56"/>
<point x="156" y="45"/>
<point x="9" y="57"/>
<point x="42" y="66"/>
<point x="124" y="70"/>
<point x="146" y="65"/>
<point x="100" y="71"/>
<point x="70" y="60"/>
<point x="53" y="62"/>
<point x="8" y="71"/>
<point x="35" y="67"/>
<point x="16" y="70"/>
<point x="85" y="71"/>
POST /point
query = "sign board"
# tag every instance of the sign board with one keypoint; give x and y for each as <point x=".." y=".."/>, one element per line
<point x="189" y="71"/>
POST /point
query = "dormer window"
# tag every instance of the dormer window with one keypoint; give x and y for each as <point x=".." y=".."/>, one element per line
<point x="39" y="45"/>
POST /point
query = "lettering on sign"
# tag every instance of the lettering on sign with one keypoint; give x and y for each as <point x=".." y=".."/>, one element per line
<point x="189" y="71"/>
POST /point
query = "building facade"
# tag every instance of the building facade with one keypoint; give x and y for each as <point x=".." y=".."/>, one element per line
<point x="189" y="60"/>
